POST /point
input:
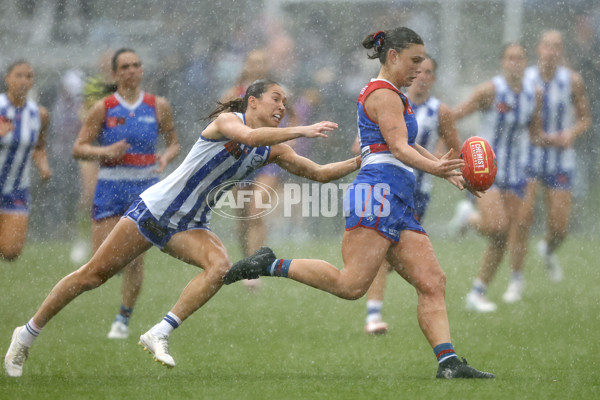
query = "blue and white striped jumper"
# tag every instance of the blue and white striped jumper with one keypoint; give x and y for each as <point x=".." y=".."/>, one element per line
<point x="558" y="114"/>
<point x="505" y="125"/>
<point x="16" y="148"/>
<point x="428" y="135"/>
<point x="183" y="200"/>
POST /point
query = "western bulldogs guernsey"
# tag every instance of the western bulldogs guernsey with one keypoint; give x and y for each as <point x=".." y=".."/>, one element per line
<point x="505" y="125"/>
<point x="16" y="147"/>
<point x="558" y="114"/>
<point x="378" y="164"/>
<point x="120" y="182"/>
<point x="381" y="195"/>
<point x="183" y="199"/>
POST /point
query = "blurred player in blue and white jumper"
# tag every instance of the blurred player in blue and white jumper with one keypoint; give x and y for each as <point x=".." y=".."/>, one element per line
<point x="565" y="116"/>
<point x="121" y="132"/>
<point x="23" y="125"/>
<point x="437" y="133"/>
<point x="510" y="109"/>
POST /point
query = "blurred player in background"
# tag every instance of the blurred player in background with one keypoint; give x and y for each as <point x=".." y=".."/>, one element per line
<point x="510" y="108"/>
<point x="121" y="133"/>
<point x="23" y="126"/>
<point x="565" y="116"/>
<point x="437" y="133"/>
<point x="379" y="205"/>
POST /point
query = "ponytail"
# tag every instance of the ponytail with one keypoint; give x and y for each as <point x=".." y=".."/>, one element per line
<point x="235" y="105"/>
<point x="256" y="89"/>
<point x="382" y="41"/>
<point x="96" y="89"/>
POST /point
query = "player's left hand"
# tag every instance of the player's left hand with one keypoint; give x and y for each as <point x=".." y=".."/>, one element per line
<point x="447" y="167"/>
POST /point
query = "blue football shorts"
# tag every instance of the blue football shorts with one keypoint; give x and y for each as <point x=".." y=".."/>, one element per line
<point x="150" y="227"/>
<point x="113" y="198"/>
<point x="374" y="207"/>
<point x="562" y="180"/>
<point x="16" y="201"/>
<point x="421" y="201"/>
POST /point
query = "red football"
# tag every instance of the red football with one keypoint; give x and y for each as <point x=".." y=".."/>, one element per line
<point x="480" y="163"/>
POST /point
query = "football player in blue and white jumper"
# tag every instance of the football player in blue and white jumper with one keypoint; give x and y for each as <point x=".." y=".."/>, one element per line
<point x="174" y="214"/>
<point x="122" y="132"/>
<point x="565" y="117"/>
<point x="510" y="110"/>
<point x="379" y="206"/>
<point x="23" y="125"/>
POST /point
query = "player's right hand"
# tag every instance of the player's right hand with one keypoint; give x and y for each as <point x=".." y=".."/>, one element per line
<point x="117" y="150"/>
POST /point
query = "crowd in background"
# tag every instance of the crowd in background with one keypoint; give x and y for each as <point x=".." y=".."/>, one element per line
<point x="195" y="53"/>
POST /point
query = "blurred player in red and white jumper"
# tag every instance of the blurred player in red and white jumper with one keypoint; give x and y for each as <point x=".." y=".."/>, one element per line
<point x="121" y="132"/>
<point x="565" y="116"/>
<point x="510" y="109"/>
<point x="23" y="126"/>
<point x="437" y="133"/>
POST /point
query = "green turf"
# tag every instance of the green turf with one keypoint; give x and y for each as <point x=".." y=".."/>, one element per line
<point x="293" y="342"/>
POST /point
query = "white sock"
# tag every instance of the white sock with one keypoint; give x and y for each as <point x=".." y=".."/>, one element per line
<point x="479" y="286"/>
<point x="29" y="333"/>
<point x="167" y="325"/>
<point x="516" y="276"/>
<point x="374" y="310"/>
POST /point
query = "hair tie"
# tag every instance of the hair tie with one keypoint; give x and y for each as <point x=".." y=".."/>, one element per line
<point x="378" y="39"/>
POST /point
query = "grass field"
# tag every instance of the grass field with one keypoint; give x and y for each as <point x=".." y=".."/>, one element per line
<point x="293" y="342"/>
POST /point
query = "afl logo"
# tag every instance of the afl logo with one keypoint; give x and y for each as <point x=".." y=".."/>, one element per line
<point x="229" y="198"/>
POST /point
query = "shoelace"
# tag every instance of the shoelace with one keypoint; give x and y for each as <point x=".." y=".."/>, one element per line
<point x="21" y="354"/>
<point x="163" y="344"/>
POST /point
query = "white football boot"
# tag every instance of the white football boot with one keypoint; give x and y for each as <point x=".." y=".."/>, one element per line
<point x="376" y="327"/>
<point x="459" y="223"/>
<point x="478" y="302"/>
<point x="16" y="355"/>
<point x="555" y="273"/>
<point x="514" y="291"/>
<point x="118" y="330"/>
<point x="158" y="346"/>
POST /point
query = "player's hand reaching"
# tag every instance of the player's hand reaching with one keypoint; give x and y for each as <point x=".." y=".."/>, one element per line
<point x="319" y="129"/>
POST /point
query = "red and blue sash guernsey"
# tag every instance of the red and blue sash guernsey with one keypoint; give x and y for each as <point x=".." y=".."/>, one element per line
<point x="378" y="164"/>
<point x="138" y="124"/>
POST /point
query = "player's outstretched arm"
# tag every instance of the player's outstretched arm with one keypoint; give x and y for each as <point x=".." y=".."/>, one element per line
<point x="284" y="156"/>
